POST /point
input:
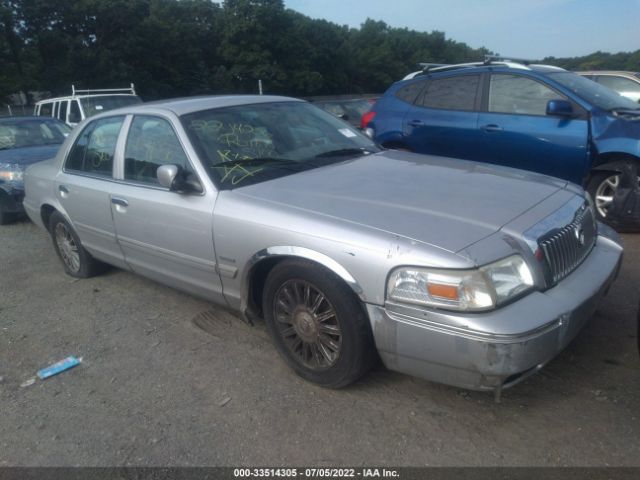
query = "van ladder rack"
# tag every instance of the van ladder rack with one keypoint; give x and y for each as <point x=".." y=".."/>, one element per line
<point x="131" y="90"/>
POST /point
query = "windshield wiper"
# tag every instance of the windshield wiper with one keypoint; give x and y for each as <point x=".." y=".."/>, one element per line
<point x="281" y="163"/>
<point x="343" y="152"/>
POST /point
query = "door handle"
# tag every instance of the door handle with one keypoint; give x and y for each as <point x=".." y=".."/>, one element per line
<point x="416" y="123"/>
<point x="119" y="201"/>
<point x="64" y="190"/>
<point x="492" y="127"/>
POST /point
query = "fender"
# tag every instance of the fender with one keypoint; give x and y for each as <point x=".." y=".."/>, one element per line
<point x="292" y="252"/>
<point x="613" y="162"/>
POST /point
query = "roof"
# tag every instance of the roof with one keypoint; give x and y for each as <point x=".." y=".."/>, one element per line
<point x="484" y="66"/>
<point x="183" y="106"/>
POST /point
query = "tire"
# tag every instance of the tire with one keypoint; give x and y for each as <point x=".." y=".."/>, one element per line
<point x="602" y="183"/>
<point x="77" y="262"/>
<point x="331" y="350"/>
<point x="601" y="186"/>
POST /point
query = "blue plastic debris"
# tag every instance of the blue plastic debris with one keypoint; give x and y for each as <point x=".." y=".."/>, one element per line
<point x="61" y="366"/>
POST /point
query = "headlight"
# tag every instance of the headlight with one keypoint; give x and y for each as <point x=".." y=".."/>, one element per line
<point x="10" y="172"/>
<point x="483" y="288"/>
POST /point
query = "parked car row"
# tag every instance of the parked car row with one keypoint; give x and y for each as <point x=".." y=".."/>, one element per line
<point x="464" y="271"/>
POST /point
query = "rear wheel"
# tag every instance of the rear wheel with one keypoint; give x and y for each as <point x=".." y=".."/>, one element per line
<point x="76" y="260"/>
<point x="317" y="325"/>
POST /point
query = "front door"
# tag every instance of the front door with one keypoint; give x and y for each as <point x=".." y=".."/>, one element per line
<point x="165" y="235"/>
<point x="517" y="132"/>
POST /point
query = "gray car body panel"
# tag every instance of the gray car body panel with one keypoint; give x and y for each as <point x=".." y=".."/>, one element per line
<point x="360" y="218"/>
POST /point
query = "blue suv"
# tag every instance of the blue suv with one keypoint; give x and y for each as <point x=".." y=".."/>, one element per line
<point x="533" y="117"/>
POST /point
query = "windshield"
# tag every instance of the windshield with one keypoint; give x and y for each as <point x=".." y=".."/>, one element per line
<point x="102" y="103"/>
<point x="20" y="133"/>
<point x="247" y="144"/>
<point x="592" y="92"/>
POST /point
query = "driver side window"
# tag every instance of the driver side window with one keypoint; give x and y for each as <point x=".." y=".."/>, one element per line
<point x="151" y="143"/>
<point x="519" y="95"/>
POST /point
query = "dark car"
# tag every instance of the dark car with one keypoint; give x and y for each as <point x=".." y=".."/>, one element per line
<point x="532" y="117"/>
<point x="350" y="110"/>
<point x="23" y="141"/>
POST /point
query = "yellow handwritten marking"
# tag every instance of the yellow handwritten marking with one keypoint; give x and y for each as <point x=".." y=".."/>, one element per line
<point x="237" y="173"/>
<point x="100" y="158"/>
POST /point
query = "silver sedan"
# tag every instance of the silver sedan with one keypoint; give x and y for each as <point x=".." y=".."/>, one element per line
<point x="454" y="271"/>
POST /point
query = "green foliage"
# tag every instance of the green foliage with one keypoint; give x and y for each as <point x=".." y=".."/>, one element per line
<point x="188" y="47"/>
<point x="629" y="61"/>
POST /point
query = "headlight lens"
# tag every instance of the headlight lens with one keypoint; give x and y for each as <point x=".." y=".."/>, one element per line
<point x="465" y="290"/>
<point x="10" y="172"/>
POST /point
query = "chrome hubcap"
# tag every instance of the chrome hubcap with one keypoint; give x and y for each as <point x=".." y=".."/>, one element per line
<point x="307" y="322"/>
<point x="67" y="247"/>
<point x="605" y="193"/>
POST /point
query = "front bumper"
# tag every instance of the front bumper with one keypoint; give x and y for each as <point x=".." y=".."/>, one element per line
<point x="489" y="351"/>
<point x="11" y="198"/>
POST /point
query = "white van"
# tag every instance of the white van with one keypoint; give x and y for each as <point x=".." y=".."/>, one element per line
<point x="85" y="103"/>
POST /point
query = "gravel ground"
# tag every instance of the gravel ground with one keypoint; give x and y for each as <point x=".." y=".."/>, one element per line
<point x="168" y="379"/>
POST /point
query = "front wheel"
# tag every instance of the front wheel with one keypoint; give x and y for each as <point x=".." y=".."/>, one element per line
<point x="602" y="187"/>
<point x="317" y="324"/>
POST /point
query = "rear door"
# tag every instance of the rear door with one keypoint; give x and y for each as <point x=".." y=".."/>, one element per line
<point x="165" y="235"/>
<point x="443" y="119"/>
<point x="517" y="132"/>
<point x="84" y="184"/>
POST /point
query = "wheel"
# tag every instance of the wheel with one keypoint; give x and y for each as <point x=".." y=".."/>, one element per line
<point x="76" y="260"/>
<point x="317" y="324"/>
<point x="602" y="187"/>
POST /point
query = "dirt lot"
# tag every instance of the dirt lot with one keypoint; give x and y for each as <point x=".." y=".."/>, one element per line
<point x="170" y="380"/>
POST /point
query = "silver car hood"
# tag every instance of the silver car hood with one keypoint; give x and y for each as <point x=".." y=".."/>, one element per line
<point x="441" y="201"/>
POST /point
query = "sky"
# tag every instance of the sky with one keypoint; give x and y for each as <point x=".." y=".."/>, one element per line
<point x="531" y="29"/>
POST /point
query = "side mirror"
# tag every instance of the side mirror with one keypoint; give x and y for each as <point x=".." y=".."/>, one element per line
<point x="560" y="108"/>
<point x="176" y="179"/>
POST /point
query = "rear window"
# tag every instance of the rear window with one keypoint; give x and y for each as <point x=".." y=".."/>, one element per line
<point x="410" y="92"/>
<point x="95" y="147"/>
<point x="453" y="93"/>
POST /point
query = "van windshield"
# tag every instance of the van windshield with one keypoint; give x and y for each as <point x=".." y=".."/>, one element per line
<point x="101" y="103"/>
<point x="592" y="92"/>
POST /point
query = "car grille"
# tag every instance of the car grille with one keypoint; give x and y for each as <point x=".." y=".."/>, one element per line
<point x="565" y="248"/>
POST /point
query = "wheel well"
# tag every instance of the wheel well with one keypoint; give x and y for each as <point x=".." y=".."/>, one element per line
<point x="610" y="161"/>
<point x="258" y="276"/>
<point x="45" y="214"/>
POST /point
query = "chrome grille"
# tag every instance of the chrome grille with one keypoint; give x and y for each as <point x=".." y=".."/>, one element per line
<point x="565" y="248"/>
